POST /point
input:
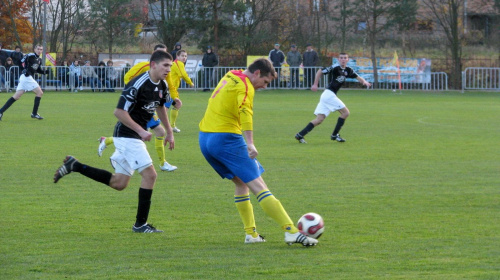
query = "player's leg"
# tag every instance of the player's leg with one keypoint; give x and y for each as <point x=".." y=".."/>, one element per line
<point x="38" y="97"/>
<point x="323" y="109"/>
<point x="245" y="209"/>
<point x="71" y="164"/>
<point x="11" y="101"/>
<point x="309" y="127"/>
<point x="273" y="208"/>
<point x="174" y="113"/>
<point x="344" y="113"/>
<point x="145" y="193"/>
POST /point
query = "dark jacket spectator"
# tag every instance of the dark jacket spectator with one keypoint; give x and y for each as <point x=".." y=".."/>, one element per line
<point x="3" y="55"/>
<point x="209" y="61"/>
<point x="17" y="55"/>
<point x="210" y="58"/>
<point x="177" y="47"/>
<point x="310" y="57"/>
<point x="276" y="56"/>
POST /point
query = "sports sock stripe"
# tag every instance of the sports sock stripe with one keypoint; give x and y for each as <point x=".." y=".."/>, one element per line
<point x="263" y="195"/>
<point x="240" y="198"/>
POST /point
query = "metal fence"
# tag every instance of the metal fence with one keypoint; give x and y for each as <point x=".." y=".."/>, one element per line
<point x="104" y="78"/>
<point x="481" y="78"/>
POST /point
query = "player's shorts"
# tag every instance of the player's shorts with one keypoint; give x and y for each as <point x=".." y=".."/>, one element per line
<point x="130" y="154"/>
<point x="153" y="122"/>
<point x="27" y="83"/>
<point x="228" y="155"/>
<point x="328" y="102"/>
<point x="169" y="103"/>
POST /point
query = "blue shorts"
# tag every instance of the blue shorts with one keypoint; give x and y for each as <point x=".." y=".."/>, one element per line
<point x="228" y="155"/>
<point x="153" y="122"/>
<point x="169" y="103"/>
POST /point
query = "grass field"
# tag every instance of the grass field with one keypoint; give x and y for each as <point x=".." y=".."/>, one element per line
<point x="412" y="194"/>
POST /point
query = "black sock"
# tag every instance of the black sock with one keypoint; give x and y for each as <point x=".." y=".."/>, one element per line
<point x="340" y="123"/>
<point x="306" y="129"/>
<point x="9" y="103"/>
<point x="36" y="104"/>
<point x="143" y="207"/>
<point x="96" y="174"/>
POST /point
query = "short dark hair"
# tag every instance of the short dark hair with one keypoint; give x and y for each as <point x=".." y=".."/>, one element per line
<point x="160" y="55"/>
<point x="180" y="51"/>
<point x="343" y="53"/>
<point x="160" y="46"/>
<point x="264" y="65"/>
<point x="17" y="47"/>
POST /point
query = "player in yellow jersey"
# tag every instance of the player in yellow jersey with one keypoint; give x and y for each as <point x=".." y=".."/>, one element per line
<point x="154" y="123"/>
<point x="226" y="141"/>
<point x="178" y="73"/>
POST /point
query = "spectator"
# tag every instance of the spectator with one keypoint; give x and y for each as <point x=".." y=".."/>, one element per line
<point x="17" y="55"/>
<point x="294" y="59"/>
<point x="177" y="47"/>
<point x="89" y="76"/>
<point x="101" y="77"/>
<point x="277" y="57"/>
<point x="2" y="73"/>
<point x="75" y="72"/>
<point x="3" y="55"/>
<point x="209" y="61"/>
<point x="112" y="75"/>
<point x="10" y="74"/>
<point x="63" y="74"/>
<point x="310" y="60"/>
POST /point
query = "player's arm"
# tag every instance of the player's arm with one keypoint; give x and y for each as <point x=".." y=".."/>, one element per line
<point x="252" y="151"/>
<point x="185" y="75"/>
<point x="363" y="81"/>
<point x="161" y="111"/>
<point x="314" y="87"/>
<point x="124" y="117"/>
<point x="246" y="120"/>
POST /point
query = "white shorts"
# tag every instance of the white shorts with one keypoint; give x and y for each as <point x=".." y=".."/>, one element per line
<point x="27" y="83"/>
<point x="130" y="154"/>
<point x="328" y="102"/>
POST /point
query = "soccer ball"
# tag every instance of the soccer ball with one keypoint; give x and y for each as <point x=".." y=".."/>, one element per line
<point x="311" y="224"/>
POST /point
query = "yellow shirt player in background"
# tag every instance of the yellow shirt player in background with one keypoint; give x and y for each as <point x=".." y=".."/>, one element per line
<point x="153" y="124"/>
<point x="226" y="142"/>
<point x="178" y="72"/>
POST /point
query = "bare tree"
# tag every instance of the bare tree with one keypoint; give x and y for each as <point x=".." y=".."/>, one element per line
<point x="376" y="14"/>
<point x="448" y="15"/>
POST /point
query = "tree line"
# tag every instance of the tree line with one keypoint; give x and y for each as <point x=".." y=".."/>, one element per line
<point x="238" y="27"/>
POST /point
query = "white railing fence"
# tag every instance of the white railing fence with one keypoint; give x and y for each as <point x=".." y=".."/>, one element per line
<point x="481" y="78"/>
<point x="103" y="79"/>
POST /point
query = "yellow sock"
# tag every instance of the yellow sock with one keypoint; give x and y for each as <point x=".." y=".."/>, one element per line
<point x="173" y="116"/>
<point x="108" y="141"/>
<point x="160" y="149"/>
<point x="245" y="209"/>
<point x="275" y="210"/>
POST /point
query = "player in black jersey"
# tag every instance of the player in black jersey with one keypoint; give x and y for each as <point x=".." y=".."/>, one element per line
<point x="142" y="96"/>
<point x="32" y="64"/>
<point x="329" y="102"/>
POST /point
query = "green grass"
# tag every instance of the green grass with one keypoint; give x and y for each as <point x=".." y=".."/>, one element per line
<point x="412" y="194"/>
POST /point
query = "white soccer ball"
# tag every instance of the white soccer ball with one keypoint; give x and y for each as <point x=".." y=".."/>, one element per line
<point x="393" y="90"/>
<point x="311" y="224"/>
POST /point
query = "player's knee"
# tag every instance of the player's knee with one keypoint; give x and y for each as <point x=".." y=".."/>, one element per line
<point x="119" y="186"/>
<point x="159" y="131"/>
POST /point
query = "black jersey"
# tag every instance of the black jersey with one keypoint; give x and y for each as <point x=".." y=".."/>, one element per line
<point x="32" y="64"/>
<point x="140" y="98"/>
<point x="337" y="76"/>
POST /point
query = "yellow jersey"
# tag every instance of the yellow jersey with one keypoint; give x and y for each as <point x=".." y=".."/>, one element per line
<point x="177" y="73"/>
<point x="140" y="68"/>
<point x="230" y="107"/>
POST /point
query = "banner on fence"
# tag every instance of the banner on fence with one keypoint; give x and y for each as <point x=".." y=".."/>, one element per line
<point x="412" y="70"/>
